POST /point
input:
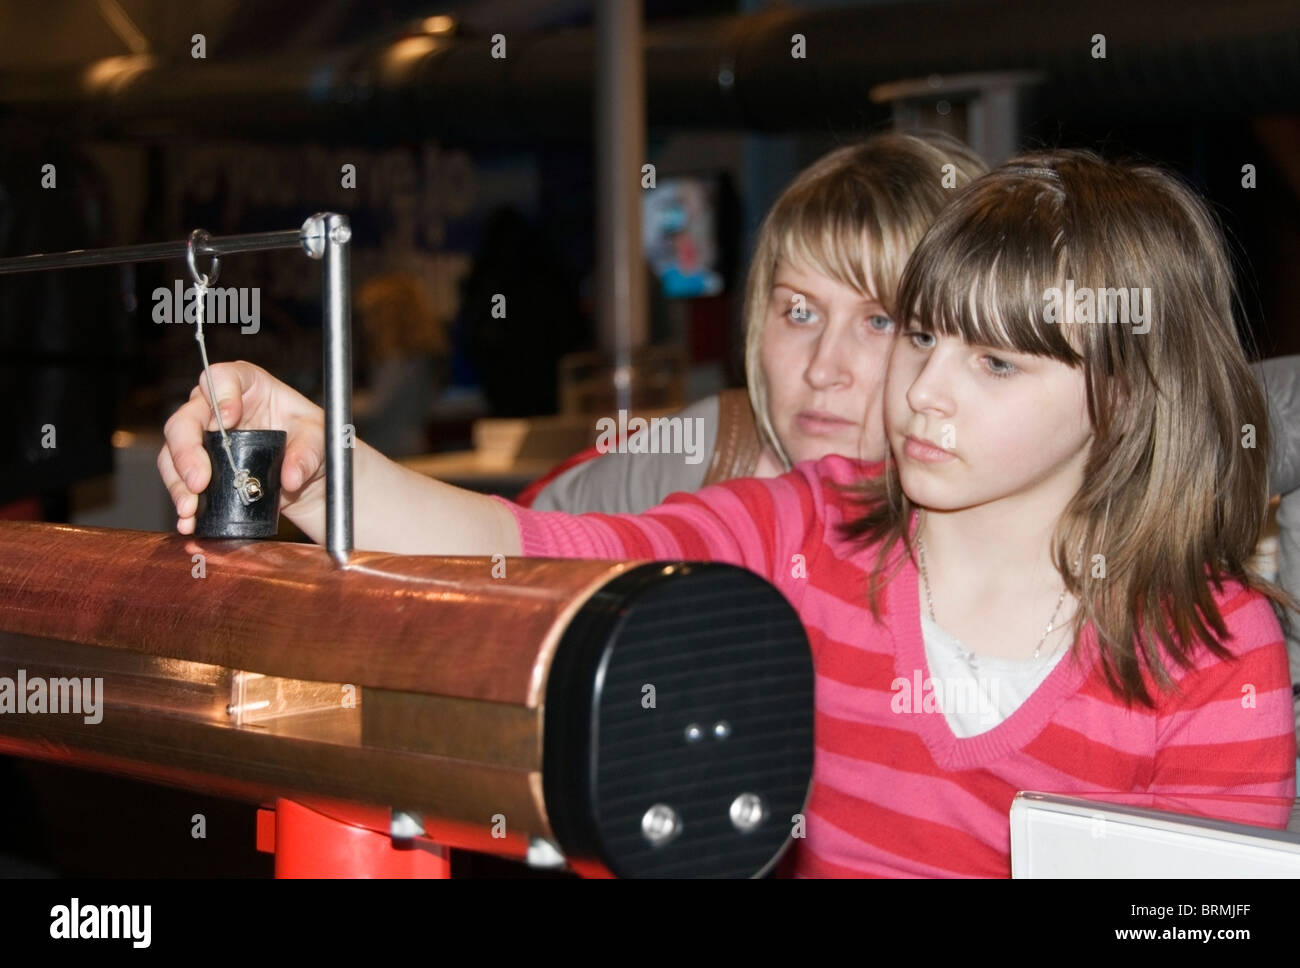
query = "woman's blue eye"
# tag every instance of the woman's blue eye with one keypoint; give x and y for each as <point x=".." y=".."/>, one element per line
<point x="1000" y="368"/>
<point x="916" y="334"/>
<point x="880" y="323"/>
<point x="801" y="314"/>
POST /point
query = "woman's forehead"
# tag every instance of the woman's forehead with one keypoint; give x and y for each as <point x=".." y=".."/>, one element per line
<point x="800" y="273"/>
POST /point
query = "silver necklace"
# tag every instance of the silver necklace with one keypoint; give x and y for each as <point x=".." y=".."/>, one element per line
<point x="968" y="655"/>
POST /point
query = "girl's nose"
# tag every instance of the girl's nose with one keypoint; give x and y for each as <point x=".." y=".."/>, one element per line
<point x="929" y="389"/>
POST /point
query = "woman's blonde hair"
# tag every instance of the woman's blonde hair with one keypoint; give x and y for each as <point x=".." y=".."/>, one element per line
<point x="853" y="215"/>
<point x="1175" y="488"/>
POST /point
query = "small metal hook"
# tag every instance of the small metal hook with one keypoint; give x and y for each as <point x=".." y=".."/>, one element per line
<point x="198" y="235"/>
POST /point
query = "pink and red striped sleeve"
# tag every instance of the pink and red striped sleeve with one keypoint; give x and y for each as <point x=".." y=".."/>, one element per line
<point x="758" y="524"/>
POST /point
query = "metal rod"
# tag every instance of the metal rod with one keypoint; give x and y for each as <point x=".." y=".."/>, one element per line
<point x="322" y="236"/>
<point x="340" y="435"/>
<point x="620" y="153"/>
<point x="154" y="252"/>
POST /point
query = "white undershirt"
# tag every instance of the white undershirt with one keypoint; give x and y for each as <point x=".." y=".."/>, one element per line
<point x="975" y="704"/>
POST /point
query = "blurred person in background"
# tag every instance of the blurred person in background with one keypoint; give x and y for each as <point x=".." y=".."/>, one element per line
<point x="407" y="353"/>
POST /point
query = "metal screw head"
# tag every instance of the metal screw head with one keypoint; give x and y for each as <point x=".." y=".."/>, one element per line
<point x="747" y="811"/>
<point x="661" y="825"/>
<point x="693" y="733"/>
<point x="341" y="234"/>
<point x="312" y="235"/>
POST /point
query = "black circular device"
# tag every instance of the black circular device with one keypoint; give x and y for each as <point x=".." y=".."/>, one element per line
<point x="678" y="736"/>
<point x="247" y="504"/>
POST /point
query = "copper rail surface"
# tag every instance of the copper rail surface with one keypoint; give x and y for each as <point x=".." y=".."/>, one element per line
<point x="392" y="681"/>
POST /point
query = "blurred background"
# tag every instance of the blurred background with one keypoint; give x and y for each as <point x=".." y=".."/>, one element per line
<point x="490" y="149"/>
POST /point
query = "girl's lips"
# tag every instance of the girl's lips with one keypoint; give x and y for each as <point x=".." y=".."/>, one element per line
<point x="927" y="453"/>
<point x="821" y="426"/>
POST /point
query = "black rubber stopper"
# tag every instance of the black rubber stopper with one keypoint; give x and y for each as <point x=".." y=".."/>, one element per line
<point x="221" y="513"/>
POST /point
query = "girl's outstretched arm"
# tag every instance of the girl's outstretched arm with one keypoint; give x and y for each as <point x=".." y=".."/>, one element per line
<point x="773" y="527"/>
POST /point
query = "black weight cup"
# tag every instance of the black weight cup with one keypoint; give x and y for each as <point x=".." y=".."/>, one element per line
<point x="222" y="513"/>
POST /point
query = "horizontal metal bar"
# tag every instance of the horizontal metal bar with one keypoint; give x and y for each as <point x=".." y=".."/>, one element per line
<point x="322" y="236"/>
<point x="159" y="251"/>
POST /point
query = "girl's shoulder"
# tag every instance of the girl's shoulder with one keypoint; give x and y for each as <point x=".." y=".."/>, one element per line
<point x="827" y="478"/>
<point x="1249" y="616"/>
<point x="1253" y="634"/>
<point x="837" y="470"/>
<point x="812" y="496"/>
<point x="836" y="483"/>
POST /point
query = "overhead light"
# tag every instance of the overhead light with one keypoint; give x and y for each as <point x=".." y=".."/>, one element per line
<point x="408" y="50"/>
<point x="438" y="25"/>
<point x="113" y="72"/>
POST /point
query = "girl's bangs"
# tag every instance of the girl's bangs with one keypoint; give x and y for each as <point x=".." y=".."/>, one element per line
<point x="964" y="281"/>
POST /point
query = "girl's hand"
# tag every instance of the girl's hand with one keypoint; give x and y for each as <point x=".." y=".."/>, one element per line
<point x="250" y="399"/>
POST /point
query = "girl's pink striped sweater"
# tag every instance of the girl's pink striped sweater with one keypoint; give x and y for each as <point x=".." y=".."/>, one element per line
<point x="897" y="793"/>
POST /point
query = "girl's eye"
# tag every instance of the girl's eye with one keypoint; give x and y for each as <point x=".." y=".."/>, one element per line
<point x="1000" y="368"/>
<point x="922" y="341"/>
<point x="801" y="314"/>
<point x="880" y="323"/>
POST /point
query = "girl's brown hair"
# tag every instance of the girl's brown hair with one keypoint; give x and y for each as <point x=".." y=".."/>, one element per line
<point x="853" y="215"/>
<point x="1175" y="488"/>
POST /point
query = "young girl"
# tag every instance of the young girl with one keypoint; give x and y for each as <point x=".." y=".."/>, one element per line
<point x="817" y="326"/>
<point x="1064" y="524"/>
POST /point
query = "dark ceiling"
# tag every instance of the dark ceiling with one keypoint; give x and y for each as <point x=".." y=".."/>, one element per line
<point x="63" y="33"/>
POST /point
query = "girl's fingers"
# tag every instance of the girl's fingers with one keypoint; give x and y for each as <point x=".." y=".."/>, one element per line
<point x="304" y="454"/>
<point x="185" y="500"/>
<point x="228" y="380"/>
<point x="184" y="435"/>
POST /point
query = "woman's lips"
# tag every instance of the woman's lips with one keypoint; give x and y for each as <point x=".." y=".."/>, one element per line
<point x="924" y="452"/>
<point x="822" y="425"/>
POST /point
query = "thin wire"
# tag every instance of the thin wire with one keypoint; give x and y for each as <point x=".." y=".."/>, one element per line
<point x="201" y="293"/>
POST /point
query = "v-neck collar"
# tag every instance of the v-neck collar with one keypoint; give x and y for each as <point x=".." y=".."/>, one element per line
<point x="951" y="752"/>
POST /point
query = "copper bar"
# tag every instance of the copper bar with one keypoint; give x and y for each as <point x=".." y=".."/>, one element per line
<point x="259" y="765"/>
<point x="397" y="628"/>
<point x="553" y="708"/>
<point x="408" y="623"/>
